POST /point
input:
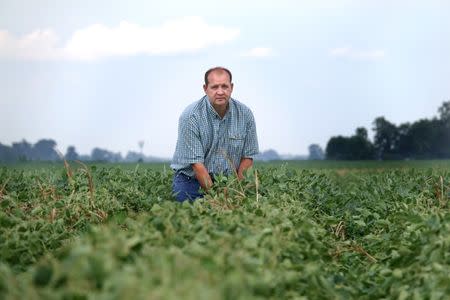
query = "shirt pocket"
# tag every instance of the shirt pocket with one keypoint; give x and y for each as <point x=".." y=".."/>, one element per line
<point x="236" y="144"/>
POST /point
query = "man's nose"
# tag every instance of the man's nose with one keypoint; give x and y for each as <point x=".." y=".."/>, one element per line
<point x="220" y="91"/>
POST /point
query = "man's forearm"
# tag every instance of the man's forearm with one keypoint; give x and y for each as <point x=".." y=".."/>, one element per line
<point x="202" y="175"/>
<point x="245" y="164"/>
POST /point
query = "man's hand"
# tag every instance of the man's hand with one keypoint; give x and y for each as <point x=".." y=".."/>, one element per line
<point x="244" y="165"/>
<point x="202" y="175"/>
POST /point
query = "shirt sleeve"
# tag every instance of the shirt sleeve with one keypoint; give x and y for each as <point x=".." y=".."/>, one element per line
<point x="251" y="140"/>
<point x="189" y="148"/>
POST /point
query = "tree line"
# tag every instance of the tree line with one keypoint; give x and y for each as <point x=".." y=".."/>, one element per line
<point x="45" y="150"/>
<point x="422" y="139"/>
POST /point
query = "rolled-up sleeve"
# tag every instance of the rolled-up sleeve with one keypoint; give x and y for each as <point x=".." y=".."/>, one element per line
<point x="251" y="139"/>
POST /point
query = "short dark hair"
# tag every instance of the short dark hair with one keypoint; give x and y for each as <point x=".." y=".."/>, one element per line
<point x="221" y="69"/>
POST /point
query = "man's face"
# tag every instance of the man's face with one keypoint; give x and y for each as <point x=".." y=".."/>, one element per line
<point x="219" y="89"/>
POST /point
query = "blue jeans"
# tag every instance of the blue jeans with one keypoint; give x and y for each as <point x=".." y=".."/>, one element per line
<point x="185" y="187"/>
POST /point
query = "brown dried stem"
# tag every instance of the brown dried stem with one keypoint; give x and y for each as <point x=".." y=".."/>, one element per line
<point x="90" y="180"/>
<point x="2" y="189"/>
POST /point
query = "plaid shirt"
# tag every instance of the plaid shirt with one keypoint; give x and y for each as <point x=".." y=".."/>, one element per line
<point x="203" y="137"/>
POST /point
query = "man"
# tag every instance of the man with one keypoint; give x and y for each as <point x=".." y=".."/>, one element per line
<point x="216" y="135"/>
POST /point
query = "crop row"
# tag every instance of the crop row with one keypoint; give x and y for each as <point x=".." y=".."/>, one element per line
<point x="282" y="233"/>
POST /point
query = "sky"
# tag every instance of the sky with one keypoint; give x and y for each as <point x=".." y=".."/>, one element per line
<point x="110" y="73"/>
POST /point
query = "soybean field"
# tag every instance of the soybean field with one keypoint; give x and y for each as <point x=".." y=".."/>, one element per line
<point x="291" y="230"/>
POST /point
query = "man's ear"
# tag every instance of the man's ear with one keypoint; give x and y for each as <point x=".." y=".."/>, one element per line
<point x="204" y="88"/>
<point x="232" y="85"/>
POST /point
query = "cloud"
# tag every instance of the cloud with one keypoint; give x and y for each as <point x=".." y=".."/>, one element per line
<point x="349" y="52"/>
<point x="183" y="35"/>
<point x="39" y="44"/>
<point x="258" y="52"/>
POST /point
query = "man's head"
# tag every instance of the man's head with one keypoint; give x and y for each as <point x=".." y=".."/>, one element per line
<point x="218" y="87"/>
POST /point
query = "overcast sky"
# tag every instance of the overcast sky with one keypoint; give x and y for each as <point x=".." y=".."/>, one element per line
<point x="112" y="73"/>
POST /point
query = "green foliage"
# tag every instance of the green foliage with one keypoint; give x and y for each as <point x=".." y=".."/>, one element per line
<point x="356" y="147"/>
<point x="422" y="139"/>
<point x="281" y="233"/>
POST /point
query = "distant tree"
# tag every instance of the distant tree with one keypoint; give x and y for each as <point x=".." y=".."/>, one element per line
<point x="422" y="139"/>
<point x="45" y="150"/>
<point x="99" y="154"/>
<point x="386" y="139"/>
<point x="6" y="154"/>
<point x="338" y="148"/>
<point x="356" y="147"/>
<point x="116" y="157"/>
<point x="405" y="141"/>
<point x="71" y="154"/>
<point x="444" y="111"/>
<point x="268" y="155"/>
<point x="423" y="135"/>
<point x="362" y="133"/>
<point x="133" y="156"/>
<point x="84" y="157"/>
<point x="315" y="152"/>
<point x="360" y="146"/>
<point x="22" y="150"/>
<point x="426" y="138"/>
<point x="444" y="130"/>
